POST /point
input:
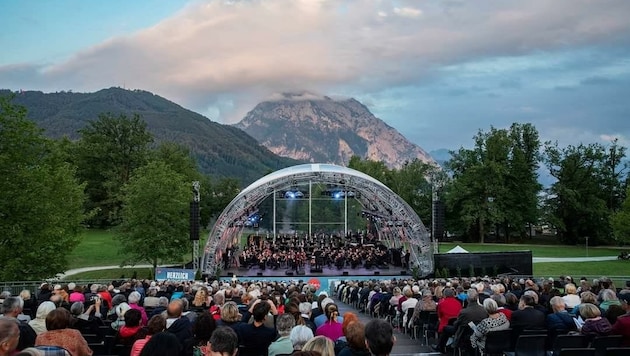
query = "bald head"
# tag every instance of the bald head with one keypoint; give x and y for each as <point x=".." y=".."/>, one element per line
<point x="175" y="309"/>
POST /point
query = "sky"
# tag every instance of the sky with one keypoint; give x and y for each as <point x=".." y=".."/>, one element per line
<point x="437" y="71"/>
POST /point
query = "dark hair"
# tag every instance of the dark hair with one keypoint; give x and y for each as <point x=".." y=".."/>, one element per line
<point x="331" y="311"/>
<point x="355" y="334"/>
<point x="132" y="317"/>
<point x="224" y="340"/>
<point x="161" y="344"/>
<point x="528" y="300"/>
<point x="260" y="311"/>
<point x="203" y="327"/>
<point x="58" y="319"/>
<point x="379" y="337"/>
<point x="156" y="324"/>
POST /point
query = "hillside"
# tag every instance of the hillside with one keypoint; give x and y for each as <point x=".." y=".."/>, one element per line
<point x="220" y="150"/>
<point x="320" y="129"/>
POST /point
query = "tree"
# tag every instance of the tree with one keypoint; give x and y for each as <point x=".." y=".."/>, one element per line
<point x="155" y="215"/>
<point x="620" y="222"/>
<point x="494" y="185"/>
<point x="40" y="200"/>
<point x="577" y="201"/>
<point x="109" y="150"/>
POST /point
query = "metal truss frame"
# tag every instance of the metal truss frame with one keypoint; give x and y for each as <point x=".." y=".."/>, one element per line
<point x="390" y="212"/>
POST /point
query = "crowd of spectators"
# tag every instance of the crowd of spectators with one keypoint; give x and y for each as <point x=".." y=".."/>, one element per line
<point x="549" y="306"/>
<point x="141" y="317"/>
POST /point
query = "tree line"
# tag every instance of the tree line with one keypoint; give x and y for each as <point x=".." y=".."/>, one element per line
<point x="115" y="176"/>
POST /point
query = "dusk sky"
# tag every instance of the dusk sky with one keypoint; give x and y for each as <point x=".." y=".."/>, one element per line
<point x="438" y="71"/>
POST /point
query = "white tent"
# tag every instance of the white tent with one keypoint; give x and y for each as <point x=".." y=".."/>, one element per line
<point x="457" y="249"/>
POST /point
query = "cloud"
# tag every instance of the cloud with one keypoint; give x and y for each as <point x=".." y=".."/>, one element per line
<point x="222" y="57"/>
<point x="409" y="12"/>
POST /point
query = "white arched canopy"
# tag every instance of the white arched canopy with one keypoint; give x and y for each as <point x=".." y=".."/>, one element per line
<point x="373" y="195"/>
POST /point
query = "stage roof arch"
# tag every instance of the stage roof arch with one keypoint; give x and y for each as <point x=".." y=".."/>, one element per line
<point x="395" y="217"/>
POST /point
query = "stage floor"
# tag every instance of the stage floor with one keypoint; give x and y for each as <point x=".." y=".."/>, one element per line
<point x="325" y="272"/>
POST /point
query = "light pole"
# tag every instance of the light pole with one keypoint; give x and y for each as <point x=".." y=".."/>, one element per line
<point x="586" y="246"/>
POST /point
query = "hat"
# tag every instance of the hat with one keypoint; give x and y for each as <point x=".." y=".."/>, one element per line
<point x="624" y="297"/>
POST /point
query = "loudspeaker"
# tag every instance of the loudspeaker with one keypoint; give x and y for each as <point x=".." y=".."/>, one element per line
<point x="194" y="220"/>
<point x="377" y="273"/>
<point x="259" y="274"/>
<point x="403" y="273"/>
<point x="289" y="273"/>
<point x="438" y="219"/>
<point x="345" y="273"/>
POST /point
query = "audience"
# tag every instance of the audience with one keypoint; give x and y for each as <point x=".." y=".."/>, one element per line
<point x="494" y="322"/>
<point x="223" y="342"/>
<point x="299" y="336"/>
<point x="379" y="337"/>
<point x="60" y="334"/>
<point x="156" y="324"/>
<point x="321" y="344"/>
<point x="283" y="344"/>
<point x="39" y="323"/>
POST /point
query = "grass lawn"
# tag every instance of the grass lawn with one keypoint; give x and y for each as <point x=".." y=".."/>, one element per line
<point x="537" y="250"/>
<point x="112" y="274"/>
<point x="100" y="248"/>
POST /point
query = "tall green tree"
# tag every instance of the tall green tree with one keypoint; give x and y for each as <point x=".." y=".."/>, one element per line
<point x="577" y="201"/>
<point x="155" y="215"/>
<point x="620" y="222"/>
<point x="108" y="152"/>
<point x="494" y="185"/>
<point x="41" y="203"/>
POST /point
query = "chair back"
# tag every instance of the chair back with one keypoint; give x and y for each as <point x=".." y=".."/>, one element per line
<point x="582" y="351"/>
<point x="568" y="342"/>
<point x="530" y="345"/>
<point x="618" y="351"/>
<point x="497" y="342"/>
<point x="601" y="343"/>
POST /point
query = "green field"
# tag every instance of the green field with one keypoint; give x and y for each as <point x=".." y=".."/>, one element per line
<point x="99" y="248"/>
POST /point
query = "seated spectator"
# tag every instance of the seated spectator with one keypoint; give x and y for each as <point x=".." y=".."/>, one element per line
<point x="500" y="299"/>
<point x="511" y="301"/>
<point x="76" y="293"/>
<point x="162" y="344"/>
<point x="321" y="319"/>
<point x="585" y="297"/>
<point x="83" y="319"/>
<point x="608" y="298"/>
<point x="355" y="340"/>
<point x="161" y="308"/>
<point x="448" y="308"/>
<point x="331" y="328"/>
<point x="215" y="309"/>
<point x="12" y="308"/>
<point x="60" y="334"/>
<point x="9" y="336"/>
<point x="321" y="344"/>
<point x="224" y="342"/>
<point x="133" y="300"/>
<point x="622" y="325"/>
<point x="571" y="299"/>
<point x="176" y="324"/>
<point x="594" y="324"/>
<point x="560" y="321"/>
<point x="300" y="334"/>
<point x="30" y="303"/>
<point x="132" y="330"/>
<point x="305" y="313"/>
<point x="119" y="312"/>
<point x="201" y="298"/>
<point x="379" y="337"/>
<point x="527" y="317"/>
<point x="202" y="329"/>
<point x="39" y="323"/>
<point x="282" y="345"/>
<point x="230" y="315"/>
<point x="256" y="337"/>
<point x="156" y="325"/>
<point x="494" y="322"/>
<point x="44" y="293"/>
<point x="151" y="300"/>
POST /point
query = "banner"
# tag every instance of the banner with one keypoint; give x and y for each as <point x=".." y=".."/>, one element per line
<point x="174" y="274"/>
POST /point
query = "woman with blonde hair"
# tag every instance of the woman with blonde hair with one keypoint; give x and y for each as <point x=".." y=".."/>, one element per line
<point x="230" y="315"/>
<point x="321" y="344"/>
<point x="201" y="298"/>
<point x="594" y="324"/>
<point x="571" y="299"/>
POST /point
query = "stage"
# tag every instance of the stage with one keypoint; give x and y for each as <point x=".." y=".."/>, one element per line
<point x="325" y="271"/>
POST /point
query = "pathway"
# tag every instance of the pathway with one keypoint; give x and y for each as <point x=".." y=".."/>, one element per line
<point x="404" y="346"/>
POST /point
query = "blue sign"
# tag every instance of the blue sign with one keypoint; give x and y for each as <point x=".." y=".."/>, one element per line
<point x="174" y="274"/>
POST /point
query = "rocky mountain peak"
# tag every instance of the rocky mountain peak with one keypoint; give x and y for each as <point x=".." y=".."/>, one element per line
<point x="316" y="128"/>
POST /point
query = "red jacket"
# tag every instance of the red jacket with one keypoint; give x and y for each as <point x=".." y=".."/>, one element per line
<point x="447" y="308"/>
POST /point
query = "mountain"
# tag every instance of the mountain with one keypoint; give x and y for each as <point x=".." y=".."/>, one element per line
<point x="220" y="150"/>
<point x="441" y="155"/>
<point x="320" y="129"/>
